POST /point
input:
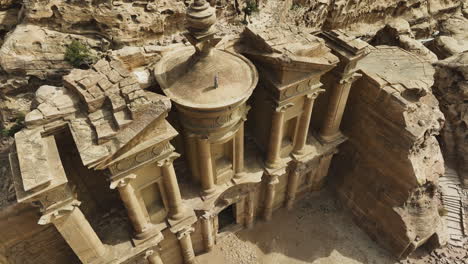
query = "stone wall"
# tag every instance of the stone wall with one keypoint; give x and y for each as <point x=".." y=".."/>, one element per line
<point x="387" y="173"/>
<point x="451" y="89"/>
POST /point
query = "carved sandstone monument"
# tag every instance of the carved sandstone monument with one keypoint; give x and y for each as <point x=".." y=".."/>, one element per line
<point x="113" y="166"/>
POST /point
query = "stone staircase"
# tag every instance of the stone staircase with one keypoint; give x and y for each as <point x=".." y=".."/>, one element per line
<point x="452" y="200"/>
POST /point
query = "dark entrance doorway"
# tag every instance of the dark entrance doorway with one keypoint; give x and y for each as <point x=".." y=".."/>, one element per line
<point x="226" y="218"/>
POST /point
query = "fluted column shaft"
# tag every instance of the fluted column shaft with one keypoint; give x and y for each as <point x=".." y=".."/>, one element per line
<point x="154" y="257"/>
<point x="207" y="232"/>
<point x="276" y="135"/>
<point x="134" y="210"/>
<point x="239" y="152"/>
<point x="339" y="94"/>
<point x="176" y="210"/>
<point x="206" y="166"/>
<point x="250" y="210"/>
<point x="187" y="248"/>
<point x="304" y="123"/>
<point x="270" y="198"/>
<point x="292" y="190"/>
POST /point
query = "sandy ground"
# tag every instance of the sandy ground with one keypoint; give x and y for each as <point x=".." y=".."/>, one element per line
<point x="317" y="231"/>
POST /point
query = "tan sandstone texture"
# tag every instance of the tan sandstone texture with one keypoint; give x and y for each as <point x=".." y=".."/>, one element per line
<point x="205" y="133"/>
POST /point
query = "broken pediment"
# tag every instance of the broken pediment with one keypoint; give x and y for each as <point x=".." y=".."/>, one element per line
<point x="288" y="53"/>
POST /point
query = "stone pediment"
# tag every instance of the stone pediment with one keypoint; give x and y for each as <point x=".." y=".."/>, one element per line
<point x="289" y="53"/>
<point x="150" y="143"/>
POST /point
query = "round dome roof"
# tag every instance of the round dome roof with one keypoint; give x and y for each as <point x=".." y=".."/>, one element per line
<point x="217" y="80"/>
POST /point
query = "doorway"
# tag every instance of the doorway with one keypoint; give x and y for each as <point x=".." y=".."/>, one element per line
<point x="226" y="218"/>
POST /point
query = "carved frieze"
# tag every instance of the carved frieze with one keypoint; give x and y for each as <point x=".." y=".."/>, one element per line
<point x="140" y="158"/>
<point x="213" y="121"/>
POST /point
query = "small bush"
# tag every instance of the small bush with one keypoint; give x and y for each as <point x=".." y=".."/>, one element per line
<point x="79" y="55"/>
<point x="252" y="6"/>
<point x="16" y="127"/>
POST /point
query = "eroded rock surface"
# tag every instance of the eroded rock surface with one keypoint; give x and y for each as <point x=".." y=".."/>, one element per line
<point x="36" y="51"/>
<point x="388" y="171"/>
<point x="451" y="89"/>
<point x="118" y="21"/>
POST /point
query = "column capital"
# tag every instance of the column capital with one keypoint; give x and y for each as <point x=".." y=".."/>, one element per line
<point x="50" y="217"/>
<point x="168" y="160"/>
<point x="313" y="95"/>
<point x="283" y="108"/>
<point x="273" y="181"/>
<point x="350" y="77"/>
<point x="149" y="253"/>
<point x="186" y="231"/>
<point x="122" y="182"/>
<point x="207" y="216"/>
<point x="152" y="251"/>
<point x="245" y="113"/>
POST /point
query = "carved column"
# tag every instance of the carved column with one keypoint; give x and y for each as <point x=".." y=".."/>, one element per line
<point x="292" y="189"/>
<point x="304" y="123"/>
<point x="136" y="214"/>
<point x="239" y="153"/>
<point x="310" y="177"/>
<point x="270" y="198"/>
<point x="191" y="149"/>
<point x="250" y="210"/>
<point x="186" y="245"/>
<point x="339" y="94"/>
<point x="76" y="230"/>
<point x="322" y="172"/>
<point x="176" y="209"/>
<point x="153" y="257"/>
<point x="207" y="232"/>
<point x="276" y="135"/>
<point x="206" y="167"/>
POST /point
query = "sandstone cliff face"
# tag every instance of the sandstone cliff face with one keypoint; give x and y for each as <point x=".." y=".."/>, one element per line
<point x="451" y="89"/>
<point x="332" y="14"/>
<point x="387" y="173"/>
<point x="121" y="22"/>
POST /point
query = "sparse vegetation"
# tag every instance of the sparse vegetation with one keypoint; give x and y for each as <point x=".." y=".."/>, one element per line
<point x="16" y="127"/>
<point x="250" y="8"/>
<point x="295" y="7"/>
<point x="79" y="55"/>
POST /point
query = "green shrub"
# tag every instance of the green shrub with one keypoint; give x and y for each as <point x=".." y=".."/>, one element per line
<point x="79" y="55"/>
<point x="16" y="127"/>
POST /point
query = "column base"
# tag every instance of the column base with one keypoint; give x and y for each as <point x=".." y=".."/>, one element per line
<point x="290" y="203"/>
<point x="207" y="194"/>
<point x="273" y="165"/>
<point x="177" y="216"/>
<point x="324" y="139"/>
<point x="151" y="233"/>
<point x="238" y="177"/>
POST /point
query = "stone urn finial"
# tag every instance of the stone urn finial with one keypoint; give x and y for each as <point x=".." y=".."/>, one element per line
<point x="200" y="18"/>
